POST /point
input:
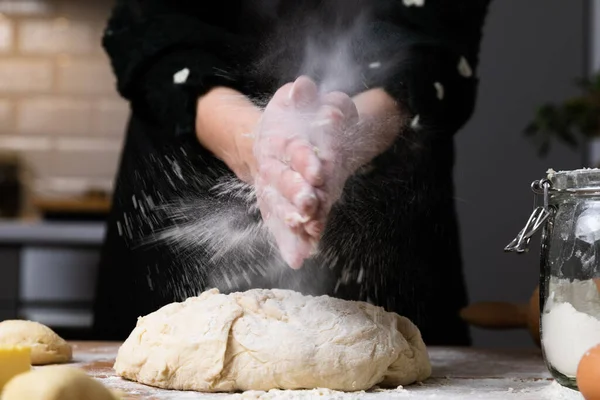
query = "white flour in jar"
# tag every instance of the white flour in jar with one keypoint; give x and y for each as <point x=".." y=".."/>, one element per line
<point x="570" y="323"/>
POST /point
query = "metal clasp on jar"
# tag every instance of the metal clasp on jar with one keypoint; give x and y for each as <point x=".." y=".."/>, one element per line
<point x="536" y="221"/>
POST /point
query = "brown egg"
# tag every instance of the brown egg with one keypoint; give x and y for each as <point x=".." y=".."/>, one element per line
<point x="588" y="374"/>
<point x="533" y="316"/>
<point x="597" y="282"/>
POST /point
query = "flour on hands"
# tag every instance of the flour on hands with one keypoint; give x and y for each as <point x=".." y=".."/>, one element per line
<point x="301" y="165"/>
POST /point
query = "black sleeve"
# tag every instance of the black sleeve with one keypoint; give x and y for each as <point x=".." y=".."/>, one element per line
<point x="149" y="41"/>
<point x="433" y="47"/>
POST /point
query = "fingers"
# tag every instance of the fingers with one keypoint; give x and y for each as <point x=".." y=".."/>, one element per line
<point x="294" y="244"/>
<point x="302" y="94"/>
<point x="294" y="151"/>
<point x="291" y="185"/>
<point x="294" y="248"/>
<point x="299" y="155"/>
<point x="326" y="135"/>
<point x="304" y="160"/>
<point x="337" y="114"/>
<point x="274" y="206"/>
<point x="345" y="104"/>
<point x="314" y="228"/>
<point x="329" y="115"/>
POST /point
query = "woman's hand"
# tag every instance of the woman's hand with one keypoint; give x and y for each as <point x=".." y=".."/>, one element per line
<point x="304" y="147"/>
<point x="288" y="170"/>
<point x="302" y="164"/>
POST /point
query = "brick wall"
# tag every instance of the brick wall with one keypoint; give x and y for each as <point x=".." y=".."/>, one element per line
<point x="58" y="104"/>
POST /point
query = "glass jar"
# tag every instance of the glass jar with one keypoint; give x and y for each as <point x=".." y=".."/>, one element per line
<point x="569" y="268"/>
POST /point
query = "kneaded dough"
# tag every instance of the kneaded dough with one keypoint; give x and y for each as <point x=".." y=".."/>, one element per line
<point x="55" y="383"/>
<point x="46" y="346"/>
<point x="272" y="339"/>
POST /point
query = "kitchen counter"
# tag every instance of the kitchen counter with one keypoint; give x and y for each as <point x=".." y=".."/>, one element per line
<point x="459" y="374"/>
<point x="63" y="233"/>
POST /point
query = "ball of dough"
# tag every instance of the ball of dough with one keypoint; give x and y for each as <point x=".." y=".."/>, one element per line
<point x="272" y="339"/>
<point x="55" y="383"/>
<point x="46" y="346"/>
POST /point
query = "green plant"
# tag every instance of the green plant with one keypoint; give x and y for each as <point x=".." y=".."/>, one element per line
<point x="569" y="122"/>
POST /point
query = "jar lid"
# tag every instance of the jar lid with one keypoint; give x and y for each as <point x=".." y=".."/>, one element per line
<point x="579" y="180"/>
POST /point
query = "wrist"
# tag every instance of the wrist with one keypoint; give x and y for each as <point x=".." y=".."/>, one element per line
<point x="381" y="120"/>
<point x="224" y="120"/>
<point x="243" y="162"/>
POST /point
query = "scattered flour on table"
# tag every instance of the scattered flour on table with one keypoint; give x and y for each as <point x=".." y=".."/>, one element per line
<point x="312" y="394"/>
<point x="527" y="380"/>
<point x="127" y="387"/>
<point x="555" y="391"/>
<point x="81" y="359"/>
<point x="99" y="354"/>
<point x="297" y="394"/>
<point x="434" y="389"/>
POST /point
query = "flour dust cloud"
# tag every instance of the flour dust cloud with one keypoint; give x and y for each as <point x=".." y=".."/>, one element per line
<point x="214" y="230"/>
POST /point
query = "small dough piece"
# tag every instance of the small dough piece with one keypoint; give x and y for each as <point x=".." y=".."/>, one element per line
<point x="46" y="346"/>
<point x="272" y="339"/>
<point x="56" y="383"/>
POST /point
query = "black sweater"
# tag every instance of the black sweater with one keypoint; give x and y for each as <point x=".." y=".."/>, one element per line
<point x="392" y="240"/>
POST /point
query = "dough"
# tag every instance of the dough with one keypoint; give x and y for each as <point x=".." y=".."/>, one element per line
<point x="46" y="346"/>
<point x="272" y="339"/>
<point x="55" y="383"/>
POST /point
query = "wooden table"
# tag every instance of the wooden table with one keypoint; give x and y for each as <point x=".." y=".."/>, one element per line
<point x="459" y="374"/>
